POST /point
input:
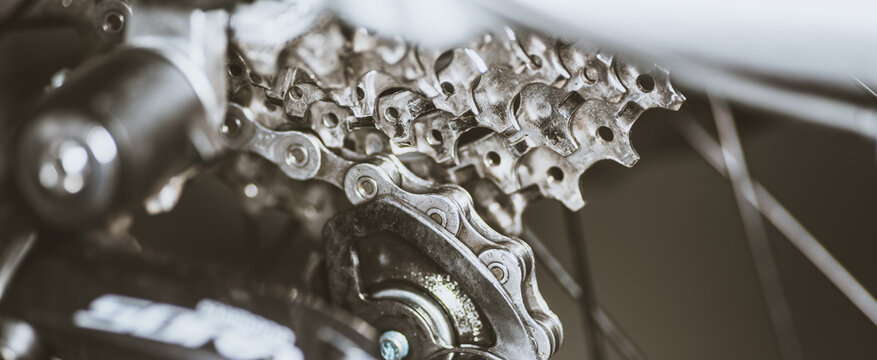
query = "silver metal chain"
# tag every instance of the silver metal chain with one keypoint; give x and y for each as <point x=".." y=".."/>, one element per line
<point x="505" y="119"/>
<point x="538" y="112"/>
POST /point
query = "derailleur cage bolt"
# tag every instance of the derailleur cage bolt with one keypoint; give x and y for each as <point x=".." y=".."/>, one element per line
<point x="394" y="345"/>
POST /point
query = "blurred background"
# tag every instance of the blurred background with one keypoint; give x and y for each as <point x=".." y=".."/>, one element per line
<point x="668" y="254"/>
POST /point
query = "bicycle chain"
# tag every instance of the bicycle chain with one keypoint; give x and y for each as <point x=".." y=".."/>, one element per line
<point x="526" y="114"/>
<point x="550" y="109"/>
<point x="303" y="156"/>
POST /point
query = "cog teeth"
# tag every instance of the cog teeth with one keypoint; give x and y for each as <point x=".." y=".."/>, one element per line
<point x="436" y="134"/>
<point x="554" y="109"/>
<point x="493" y="104"/>
<point x="543" y="63"/>
<point x="330" y="121"/>
<point x="550" y="112"/>
<point x="569" y="194"/>
<point x="591" y="74"/>
<point x="300" y="96"/>
<point x="493" y="158"/>
<point x="628" y="158"/>
<point x="456" y="78"/>
<point x="676" y="102"/>
<point x="396" y="112"/>
<point x="320" y="51"/>
<point x="547" y="122"/>
<point x="370" y="86"/>
<point x="648" y="89"/>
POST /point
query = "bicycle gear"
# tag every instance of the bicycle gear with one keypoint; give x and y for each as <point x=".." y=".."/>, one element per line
<point x="438" y="152"/>
<point x="528" y="115"/>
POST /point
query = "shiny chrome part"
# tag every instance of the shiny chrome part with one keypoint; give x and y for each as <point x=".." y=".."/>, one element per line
<point x="508" y="118"/>
<point x="394" y="345"/>
<point x="19" y="341"/>
<point x="317" y="115"/>
<point x="550" y="109"/>
<point x="389" y="245"/>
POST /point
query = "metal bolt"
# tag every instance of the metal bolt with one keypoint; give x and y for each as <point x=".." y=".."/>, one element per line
<point x="394" y="345"/>
<point x="114" y="22"/>
<point x="63" y="169"/>
<point x="231" y="127"/>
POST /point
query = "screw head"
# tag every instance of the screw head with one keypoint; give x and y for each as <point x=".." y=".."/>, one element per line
<point x="394" y="345"/>
<point x="231" y="127"/>
<point x="114" y="22"/>
<point x="64" y="168"/>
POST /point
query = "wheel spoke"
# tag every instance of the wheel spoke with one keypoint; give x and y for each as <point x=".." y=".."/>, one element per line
<point x="587" y="300"/>
<point x="783" y="220"/>
<point x="759" y="246"/>
<point x="15" y="249"/>
<point x="605" y="324"/>
<point x="546" y="258"/>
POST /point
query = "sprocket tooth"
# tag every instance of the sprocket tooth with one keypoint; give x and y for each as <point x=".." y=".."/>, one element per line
<point x="602" y="136"/>
<point x="380" y="52"/>
<point x="591" y="73"/>
<point x="367" y="141"/>
<point x="628" y="156"/>
<point x="330" y="121"/>
<point x="544" y="117"/>
<point x="554" y="175"/>
<point x="504" y="212"/>
<point x="436" y="134"/>
<point x="322" y="51"/>
<point x="456" y="80"/>
<point x="493" y="102"/>
<point x="396" y="111"/>
<point x="541" y="56"/>
<point x="648" y="89"/>
<point x="369" y="88"/>
<point x="300" y="96"/>
<point x="493" y="158"/>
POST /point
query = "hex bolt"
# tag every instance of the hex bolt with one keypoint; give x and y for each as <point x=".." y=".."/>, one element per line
<point x="394" y="345"/>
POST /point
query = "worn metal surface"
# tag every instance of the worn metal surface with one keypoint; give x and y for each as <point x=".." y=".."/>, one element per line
<point x="395" y="128"/>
